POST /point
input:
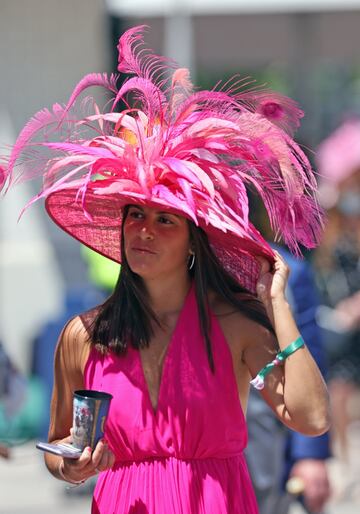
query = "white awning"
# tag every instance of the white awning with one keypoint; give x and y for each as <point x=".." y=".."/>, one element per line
<point x="143" y="8"/>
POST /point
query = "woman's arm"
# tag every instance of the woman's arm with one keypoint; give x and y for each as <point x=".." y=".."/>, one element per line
<point x="296" y="390"/>
<point x="70" y="357"/>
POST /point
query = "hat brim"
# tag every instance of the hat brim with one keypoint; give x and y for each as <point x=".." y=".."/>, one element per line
<point x="98" y="227"/>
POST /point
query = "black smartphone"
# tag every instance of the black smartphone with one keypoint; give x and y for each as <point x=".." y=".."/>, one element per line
<point x="63" y="449"/>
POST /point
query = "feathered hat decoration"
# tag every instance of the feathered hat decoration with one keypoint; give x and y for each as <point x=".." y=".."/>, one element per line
<point x="191" y="152"/>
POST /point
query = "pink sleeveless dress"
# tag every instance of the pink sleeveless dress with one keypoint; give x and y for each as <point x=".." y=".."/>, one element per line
<point x="187" y="456"/>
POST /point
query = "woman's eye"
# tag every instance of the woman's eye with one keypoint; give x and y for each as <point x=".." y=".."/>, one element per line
<point x="136" y="214"/>
<point x="165" y="220"/>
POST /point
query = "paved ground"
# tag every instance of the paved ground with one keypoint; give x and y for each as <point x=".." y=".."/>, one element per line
<point x="27" y="488"/>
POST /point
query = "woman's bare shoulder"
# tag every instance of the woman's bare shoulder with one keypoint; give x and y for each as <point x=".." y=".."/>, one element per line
<point x="75" y="341"/>
<point x="78" y="329"/>
<point x="237" y="326"/>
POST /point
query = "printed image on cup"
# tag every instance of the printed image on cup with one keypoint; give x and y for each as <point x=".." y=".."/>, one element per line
<point x="90" y="410"/>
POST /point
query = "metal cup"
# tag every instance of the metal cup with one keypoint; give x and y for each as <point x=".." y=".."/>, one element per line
<point x="90" y="410"/>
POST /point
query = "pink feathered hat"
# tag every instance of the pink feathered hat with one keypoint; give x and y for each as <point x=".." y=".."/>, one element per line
<point x="192" y="153"/>
<point x="338" y="156"/>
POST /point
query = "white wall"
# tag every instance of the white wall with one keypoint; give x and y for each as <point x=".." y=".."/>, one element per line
<point x="46" y="46"/>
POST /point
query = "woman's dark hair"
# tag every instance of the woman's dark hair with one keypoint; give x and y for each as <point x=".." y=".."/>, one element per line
<point x="126" y="316"/>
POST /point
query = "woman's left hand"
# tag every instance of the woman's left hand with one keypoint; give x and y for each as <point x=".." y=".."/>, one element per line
<point x="272" y="283"/>
<point x="90" y="463"/>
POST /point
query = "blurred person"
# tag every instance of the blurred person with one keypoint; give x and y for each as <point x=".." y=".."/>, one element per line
<point x="337" y="263"/>
<point x="12" y="398"/>
<point x="199" y="308"/>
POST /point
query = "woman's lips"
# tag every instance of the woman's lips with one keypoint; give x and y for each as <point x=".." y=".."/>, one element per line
<point x="142" y="250"/>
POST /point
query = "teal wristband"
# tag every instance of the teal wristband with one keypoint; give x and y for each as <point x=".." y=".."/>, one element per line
<point x="259" y="381"/>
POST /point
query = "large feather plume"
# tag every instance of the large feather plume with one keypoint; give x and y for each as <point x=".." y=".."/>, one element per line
<point x="194" y="152"/>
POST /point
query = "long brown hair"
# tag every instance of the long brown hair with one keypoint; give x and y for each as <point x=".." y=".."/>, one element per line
<point x="126" y="317"/>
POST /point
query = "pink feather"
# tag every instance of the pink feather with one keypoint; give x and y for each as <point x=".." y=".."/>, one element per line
<point x="134" y="58"/>
<point x="2" y="177"/>
<point x="280" y="110"/>
<point x="41" y="120"/>
<point x="181" y="88"/>
<point x="93" y="79"/>
<point x="181" y="79"/>
<point x="162" y="192"/>
<point x="109" y="187"/>
<point x="74" y="149"/>
<point x="128" y="61"/>
<point x="150" y="96"/>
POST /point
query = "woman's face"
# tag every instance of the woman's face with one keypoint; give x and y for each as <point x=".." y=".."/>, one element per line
<point x="157" y="243"/>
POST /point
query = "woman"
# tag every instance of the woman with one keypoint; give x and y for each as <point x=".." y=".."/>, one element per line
<point x="160" y="188"/>
<point x="337" y="264"/>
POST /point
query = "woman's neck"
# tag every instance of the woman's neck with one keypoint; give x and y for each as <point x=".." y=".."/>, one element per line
<point x="167" y="296"/>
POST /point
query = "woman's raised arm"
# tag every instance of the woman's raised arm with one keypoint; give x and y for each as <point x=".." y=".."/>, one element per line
<point x="295" y="389"/>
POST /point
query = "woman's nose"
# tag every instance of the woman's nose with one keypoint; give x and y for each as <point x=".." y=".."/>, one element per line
<point x="147" y="231"/>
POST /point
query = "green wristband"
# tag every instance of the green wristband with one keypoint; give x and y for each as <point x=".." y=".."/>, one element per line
<point x="295" y="345"/>
<point x="259" y="381"/>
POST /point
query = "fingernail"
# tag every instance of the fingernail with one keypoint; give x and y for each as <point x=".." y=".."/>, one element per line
<point x="89" y="449"/>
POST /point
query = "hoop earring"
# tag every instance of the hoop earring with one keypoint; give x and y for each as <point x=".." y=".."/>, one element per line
<point x="191" y="261"/>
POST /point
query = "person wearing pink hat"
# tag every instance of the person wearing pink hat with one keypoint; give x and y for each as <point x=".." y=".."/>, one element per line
<point x="338" y="270"/>
<point x="199" y="309"/>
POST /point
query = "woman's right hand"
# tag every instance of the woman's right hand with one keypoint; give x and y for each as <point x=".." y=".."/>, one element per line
<point x="90" y="463"/>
